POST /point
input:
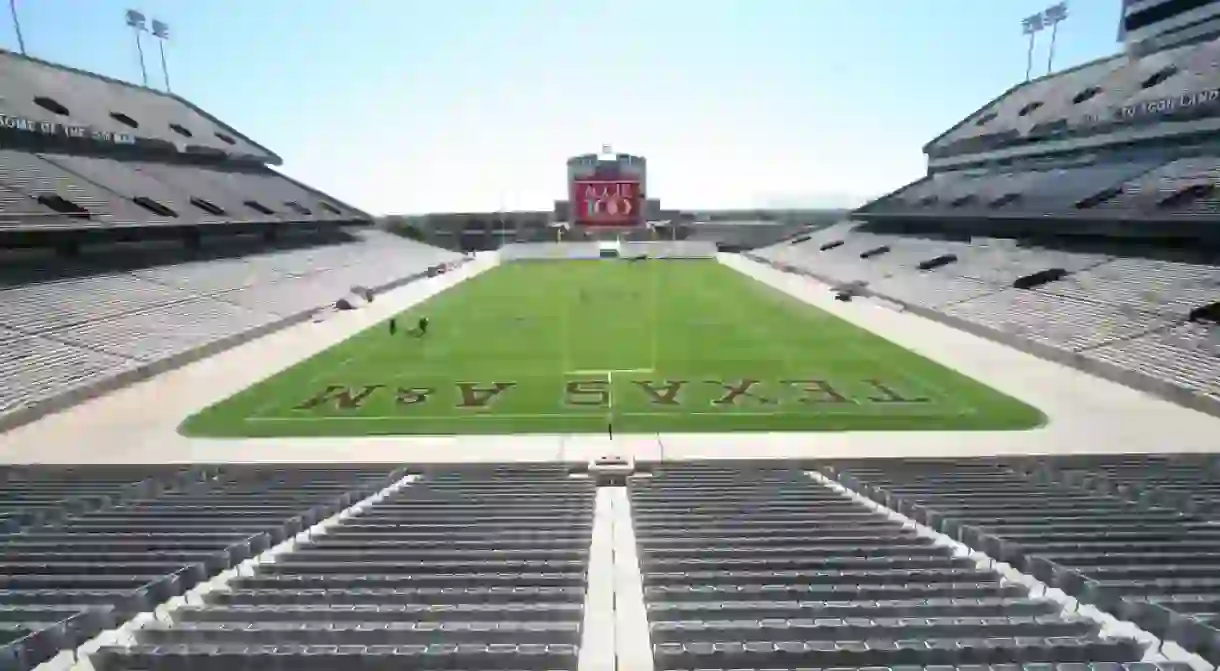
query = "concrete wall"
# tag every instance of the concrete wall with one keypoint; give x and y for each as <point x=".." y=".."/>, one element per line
<point x="549" y="251"/>
<point x="1124" y="376"/>
<point x="670" y="249"/>
<point x="658" y="249"/>
<point x="145" y="370"/>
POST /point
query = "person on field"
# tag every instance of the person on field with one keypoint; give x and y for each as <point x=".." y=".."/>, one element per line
<point x="423" y="326"/>
<point x="393" y="326"/>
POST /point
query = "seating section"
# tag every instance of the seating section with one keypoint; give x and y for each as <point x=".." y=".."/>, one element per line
<point x="31" y="496"/>
<point x="39" y="191"/>
<point x="42" y="92"/>
<point x="744" y="565"/>
<point x="1109" y="191"/>
<point x="192" y="169"/>
<point x="194" y="195"/>
<point x="1109" y="94"/>
<point x="474" y="569"/>
<point x="762" y="567"/>
<point x="98" y="545"/>
<point x="1122" y="311"/>
<point x="65" y="334"/>
<point x="1098" y="531"/>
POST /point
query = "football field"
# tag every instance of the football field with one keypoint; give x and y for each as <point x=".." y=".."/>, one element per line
<point x="581" y="346"/>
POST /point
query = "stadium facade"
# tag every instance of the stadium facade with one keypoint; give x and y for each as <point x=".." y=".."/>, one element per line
<point x="608" y="199"/>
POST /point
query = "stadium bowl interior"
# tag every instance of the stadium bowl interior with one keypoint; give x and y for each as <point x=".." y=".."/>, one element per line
<point x="969" y="424"/>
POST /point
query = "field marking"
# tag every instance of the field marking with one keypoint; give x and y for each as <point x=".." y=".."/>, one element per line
<point x="585" y="415"/>
<point x="564" y="333"/>
<point x="610" y="400"/>
<point x="653" y="325"/>
<point x="608" y="371"/>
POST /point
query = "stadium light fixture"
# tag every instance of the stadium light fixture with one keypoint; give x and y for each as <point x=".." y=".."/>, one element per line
<point x="12" y="8"/>
<point x="136" y="20"/>
<point x="1054" y="15"/>
<point x="1031" y="25"/>
<point x="160" y="30"/>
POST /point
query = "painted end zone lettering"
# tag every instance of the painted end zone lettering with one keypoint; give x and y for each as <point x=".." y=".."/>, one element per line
<point x="474" y="396"/>
<point x="586" y="392"/>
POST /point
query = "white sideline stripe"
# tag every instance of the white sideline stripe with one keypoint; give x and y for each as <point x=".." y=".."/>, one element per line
<point x="570" y="415"/>
<point x="609" y="371"/>
<point x="578" y="415"/>
<point x="609" y="397"/>
<point x="124" y="634"/>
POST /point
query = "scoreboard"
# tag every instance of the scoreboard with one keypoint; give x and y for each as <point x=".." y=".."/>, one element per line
<point x="616" y="202"/>
<point x="607" y="190"/>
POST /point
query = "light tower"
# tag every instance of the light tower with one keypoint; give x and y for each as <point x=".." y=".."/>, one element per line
<point x="160" y="30"/>
<point x="136" y="20"/>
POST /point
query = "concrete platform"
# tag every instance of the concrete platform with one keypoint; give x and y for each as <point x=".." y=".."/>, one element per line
<point x="139" y="424"/>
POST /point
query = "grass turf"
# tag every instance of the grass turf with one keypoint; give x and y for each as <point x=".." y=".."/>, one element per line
<point x="651" y="346"/>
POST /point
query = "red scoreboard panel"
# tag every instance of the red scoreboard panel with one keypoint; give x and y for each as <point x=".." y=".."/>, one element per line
<point x="607" y="202"/>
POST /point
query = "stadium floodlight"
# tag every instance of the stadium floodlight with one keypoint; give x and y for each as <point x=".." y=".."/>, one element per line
<point x="1054" y="15"/>
<point x="160" y="30"/>
<point x="136" y="20"/>
<point x="1031" y="25"/>
<point x="12" y="8"/>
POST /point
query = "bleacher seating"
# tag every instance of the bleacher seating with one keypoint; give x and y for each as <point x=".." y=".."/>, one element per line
<point x="762" y="567"/>
<point x="196" y="241"/>
<point x="67" y="334"/>
<point x="1097" y="97"/>
<point x="464" y="569"/>
<point x="91" y="547"/>
<point x="1127" y="534"/>
<point x="1062" y="191"/>
<point x="1128" y="312"/>
<point x="744" y="565"/>
<point x="46" y="92"/>
<point x="126" y="156"/>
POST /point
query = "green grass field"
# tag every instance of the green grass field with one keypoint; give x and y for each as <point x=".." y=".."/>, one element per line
<point x="654" y="346"/>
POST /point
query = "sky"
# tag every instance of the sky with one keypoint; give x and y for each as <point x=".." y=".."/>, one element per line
<point x="414" y="106"/>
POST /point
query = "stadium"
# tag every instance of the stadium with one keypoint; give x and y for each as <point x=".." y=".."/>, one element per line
<point x="969" y="425"/>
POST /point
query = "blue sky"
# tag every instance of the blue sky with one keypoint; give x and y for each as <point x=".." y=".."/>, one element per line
<point x="468" y="105"/>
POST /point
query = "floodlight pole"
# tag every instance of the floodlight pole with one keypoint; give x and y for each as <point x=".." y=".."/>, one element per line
<point x="1054" y="15"/>
<point x="1031" y="26"/>
<point x="160" y="31"/>
<point x="1029" y="56"/>
<point x="12" y="8"/>
<point x="136" y="20"/>
<point x="1050" y="54"/>
<point x="140" y="51"/>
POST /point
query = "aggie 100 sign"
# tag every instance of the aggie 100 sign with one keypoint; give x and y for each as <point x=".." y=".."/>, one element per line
<point x="607" y="202"/>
